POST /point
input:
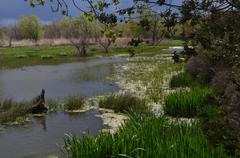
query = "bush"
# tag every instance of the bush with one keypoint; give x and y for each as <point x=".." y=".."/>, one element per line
<point x="123" y="103"/>
<point x="218" y="130"/>
<point x="220" y="81"/>
<point x="199" y="67"/>
<point x="186" y="104"/>
<point x="145" y="137"/>
<point x="74" y="103"/>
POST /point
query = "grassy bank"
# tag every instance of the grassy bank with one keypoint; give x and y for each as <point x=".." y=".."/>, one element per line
<point x="151" y="134"/>
<point x="50" y="55"/>
<point x="146" y="136"/>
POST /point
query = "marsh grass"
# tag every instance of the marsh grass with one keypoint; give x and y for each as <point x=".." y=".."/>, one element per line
<point x="45" y="57"/>
<point x="145" y="136"/>
<point x="123" y="102"/>
<point x="74" y="103"/>
<point x="185" y="79"/>
<point x="186" y="103"/>
<point x="10" y="111"/>
<point x="52" y="105"/>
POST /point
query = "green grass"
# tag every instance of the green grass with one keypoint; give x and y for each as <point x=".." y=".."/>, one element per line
<point x="74" y="103"/>
<point x="123" y="103"/>
<point x="145" y="136"/>
<point x="27" y="56"/>
<point x="11" y="111"/>
<point x="185" y="79"/>
<point x="186" y="104"/>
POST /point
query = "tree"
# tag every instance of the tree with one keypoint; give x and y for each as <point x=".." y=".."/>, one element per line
<point x="80" y="33"/>
<point x="30" y="27"/>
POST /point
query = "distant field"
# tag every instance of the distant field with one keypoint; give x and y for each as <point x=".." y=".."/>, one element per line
<point x="48" y="55"/>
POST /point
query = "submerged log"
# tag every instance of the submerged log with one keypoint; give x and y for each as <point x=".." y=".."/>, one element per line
<point x="39" y="106"/>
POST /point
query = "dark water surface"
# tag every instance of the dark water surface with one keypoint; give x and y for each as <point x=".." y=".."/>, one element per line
<point x="43" y="136"/>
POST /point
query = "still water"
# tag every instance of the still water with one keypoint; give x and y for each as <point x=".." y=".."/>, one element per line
<point x="87" y="78"/>
<point x="44" y="136"/>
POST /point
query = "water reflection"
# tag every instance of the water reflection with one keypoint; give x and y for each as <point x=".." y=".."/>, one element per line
<point x="45" y="134"/>
<point x="82" y="78"/>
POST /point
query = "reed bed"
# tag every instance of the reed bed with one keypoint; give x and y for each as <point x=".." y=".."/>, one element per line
<point x="10" y="111"/>
<point x="74" y="103"/>
<point x="186" y="104"/>
<point x="123" y="102"/>
<point x="185" y="79"/>
<point x="145" y="136"/>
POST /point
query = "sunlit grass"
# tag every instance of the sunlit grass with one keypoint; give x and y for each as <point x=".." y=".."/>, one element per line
<point x="186" y="103"/>
<point x="145" y="136"/>
<point x="123" y="103"/>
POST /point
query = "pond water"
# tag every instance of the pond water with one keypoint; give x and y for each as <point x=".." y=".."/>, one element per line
<point x="87" y="78"/>
<point x="44" y="135"/>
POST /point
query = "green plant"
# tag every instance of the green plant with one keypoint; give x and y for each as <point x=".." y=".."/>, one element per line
<point x="10" y="111"/>
<point x="218" y="129"/>
<point x="185" y="79"/>
<point x="145" y="136"/>
<point x="62" y="54"/>
<point x="74" y="103"/>
<point x="21" y="56"/>
<point x="186" y="104"/>
<point x="47" y="57"/>
<point x="123" y="103"/>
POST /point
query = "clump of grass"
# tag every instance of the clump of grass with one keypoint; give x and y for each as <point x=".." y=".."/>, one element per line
<point x="185" y="79"/>
<point x="47" y="57"/>
<point x="53" y="105"/>
<point x="186" y="104"/>
<point x="10" y="111"/>
<point x="74" y="103"/>
<point x="123" y="103"/>
<point x="146" y="137"/>
<point x="62" y="54"/>
<point x="21" y="56"/>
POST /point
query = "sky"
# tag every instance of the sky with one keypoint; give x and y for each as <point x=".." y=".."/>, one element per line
<point x="11" y="10"/>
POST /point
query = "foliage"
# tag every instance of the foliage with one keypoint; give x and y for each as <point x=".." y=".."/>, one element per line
<point x="185" y="79"/>
<point x="218" y="130"/>
<point x="11" y="111"/>
<point x="123" y="103"/>
<point x="145" y="136"/>
<point x="186" y="104"/>
<point x="74" y="103"/>
<point x="30" y="27"/>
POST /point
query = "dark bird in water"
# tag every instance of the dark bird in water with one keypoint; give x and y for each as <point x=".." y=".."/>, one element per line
<point x="39" y="106"/>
